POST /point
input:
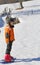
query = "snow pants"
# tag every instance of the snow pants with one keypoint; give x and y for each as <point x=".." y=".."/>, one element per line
<point x="9" y="47"/>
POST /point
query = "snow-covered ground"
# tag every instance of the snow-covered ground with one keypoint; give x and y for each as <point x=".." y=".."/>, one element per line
<point x="26" y="47"/>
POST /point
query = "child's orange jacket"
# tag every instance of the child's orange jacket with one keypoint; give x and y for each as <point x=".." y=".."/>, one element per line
<point x="9" y="34"/>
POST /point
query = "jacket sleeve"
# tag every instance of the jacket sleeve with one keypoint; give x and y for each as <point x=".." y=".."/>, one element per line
<point x="7" y="35"/>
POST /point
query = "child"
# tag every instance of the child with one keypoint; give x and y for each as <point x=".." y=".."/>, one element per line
<point x="9" y="38"/>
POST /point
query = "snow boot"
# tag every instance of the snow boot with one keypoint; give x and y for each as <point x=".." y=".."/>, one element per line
<point x="11" y="57"/>
<point x="7" y="58"/>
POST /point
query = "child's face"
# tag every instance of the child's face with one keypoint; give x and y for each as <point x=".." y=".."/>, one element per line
<point x="11" y="23"/>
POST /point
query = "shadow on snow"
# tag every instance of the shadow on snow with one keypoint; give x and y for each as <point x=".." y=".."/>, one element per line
<point x="22" y="60"/>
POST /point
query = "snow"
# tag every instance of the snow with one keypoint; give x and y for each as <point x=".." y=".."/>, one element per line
<point x="26" y="47"/>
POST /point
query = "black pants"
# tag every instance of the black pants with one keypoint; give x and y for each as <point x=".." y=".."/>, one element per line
<point x="9" y="47"/>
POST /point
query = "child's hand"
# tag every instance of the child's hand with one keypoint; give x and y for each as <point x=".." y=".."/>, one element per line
<point x="14" y="39"/>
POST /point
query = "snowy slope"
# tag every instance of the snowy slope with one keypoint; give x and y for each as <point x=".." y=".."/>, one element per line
<point x="26" y="47"/>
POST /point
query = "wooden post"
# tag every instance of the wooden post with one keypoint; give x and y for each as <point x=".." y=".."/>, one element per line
<point x="21" y="3"/>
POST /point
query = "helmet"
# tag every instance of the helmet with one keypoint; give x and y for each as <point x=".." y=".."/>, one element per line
<point x="10" y="19"/>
